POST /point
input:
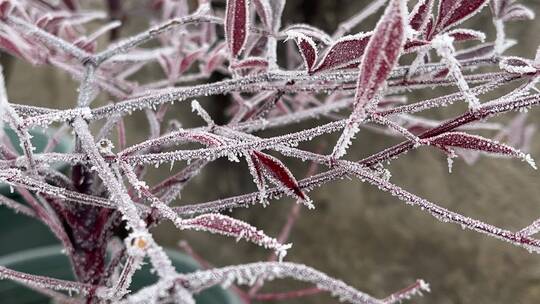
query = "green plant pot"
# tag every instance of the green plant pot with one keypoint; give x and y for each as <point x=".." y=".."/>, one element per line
<point x="20" y="232"/>
<point x="51" y="262"/>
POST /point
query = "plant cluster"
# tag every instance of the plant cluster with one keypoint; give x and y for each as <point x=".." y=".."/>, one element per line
<point x="343" y="82"/>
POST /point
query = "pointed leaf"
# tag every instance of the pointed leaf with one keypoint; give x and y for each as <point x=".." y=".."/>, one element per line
<point x="466" y="34"/>
<point x="251" y="63"/>
<point x="264" y="10"/>
<point x="279" y="172"/>
<point x="308" y="50"/>
<point x="420" y="14"/>
<point x="310" y="31"/>
<point x="382" y="54"/>
<point x="256" y="171"/>
<point x="414" y="45"/>
<point x="453" y="12"/>
<point x="517" y="65"/>
<point x="344" y="52"/>
<point x="228" y="226"/>
<point x="477" y="143"/>
<point x="236" y="25"/>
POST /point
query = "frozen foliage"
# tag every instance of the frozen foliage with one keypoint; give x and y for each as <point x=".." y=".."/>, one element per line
<point x="104" y="200"/>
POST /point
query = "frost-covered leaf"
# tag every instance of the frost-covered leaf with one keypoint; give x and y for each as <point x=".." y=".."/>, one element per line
<point x="462" y="140"/>
<point x="517" y="12"/>
<point x="307" y="48"/>
<point x="277" y="11"/>
<point x="278" y="172"/>
<point x="381" y="55"/>
<point x="419" y="16"/>
<point x="308" y="30"/>
<point x="236" y="25"/>
<point x="344" y="52"/>
<point x="509" y="10"/>
<point x="466" y="34"/>
<point x="382" y="52"/>
<point x="264" y="11"/>
<point x="517" y="65"/>
<point x="251" y="63"/>
<point x="256" y="172"/>
<point x="228" y="226"/>
<point x="478" y="51"/>
<point x="453" y="12"/>
<point x="414" y="45"/>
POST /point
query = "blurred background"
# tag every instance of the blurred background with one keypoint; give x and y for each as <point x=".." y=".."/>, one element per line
<point x="357" y="233"/>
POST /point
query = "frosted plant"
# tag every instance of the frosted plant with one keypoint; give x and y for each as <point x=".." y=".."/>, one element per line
<point x="321" y="76"/>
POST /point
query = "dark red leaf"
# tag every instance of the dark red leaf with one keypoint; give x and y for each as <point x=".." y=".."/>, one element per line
<point x="442" y="73"/>
<point x="236" y="23"/>
<point x="215" y="59"/>
<point x="466" y="34"/>
<point x="309" y="31"/>
<point x="344" y="52"/>
<point x="517" y="65"/>
<point x="279" y="172"/>
<point x="308" y="50"/>
<point x="414" y="45"/>
<point x="453" y="12"/>
<point x="420" y="15"/>
<point x="251" y="63"/>
<point x="382" y="52"/>
<point x="188" y="60"/>
<point x="256" y="171"/>
<point x="476" y="143"/>
<point x="381" y="56"/>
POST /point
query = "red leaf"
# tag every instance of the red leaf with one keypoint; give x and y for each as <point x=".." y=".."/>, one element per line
<point x="256" y="171"/>
<point x="308" y="30"/>
<point x="308" y="50"/>
<point x="414" y="45"/>
<point x="188" y="60"/>
<point x="477" y="143"/>
<point x="517" y="65"/>
<point x="279" y="172"/>
<point x="236" y="25"/>
<point x="228" y="226"/>
<point x="466" y="34"/>
<point x="420" y="14"/>
<point x="215" y="59"/>
<point x="344" y="52"/>
<point x="382" y="52"/>
<point x="251" y="63"/>
<point x="453" y="12"/>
